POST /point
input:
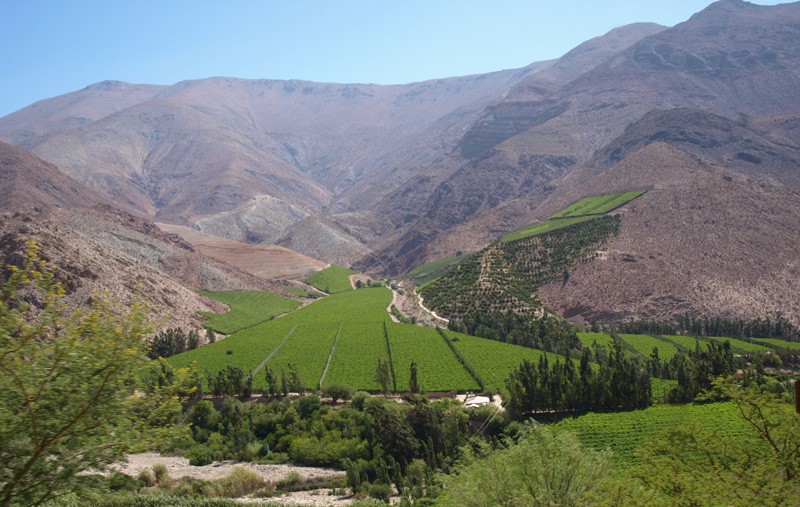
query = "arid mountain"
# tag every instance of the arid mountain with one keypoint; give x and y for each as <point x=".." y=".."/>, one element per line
<point x="249" y="159"/>
<point x="73" y="110"/>
<point x="100" y="248"/>
<point x="722" y="245"/>
<point x="704" y="114"/>
<point x="735" y="59"/>
<point x="31" y="184"/>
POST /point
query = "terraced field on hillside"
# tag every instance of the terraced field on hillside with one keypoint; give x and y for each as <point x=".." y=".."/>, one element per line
<point x="332" y="279"/>
<point x="598" y="205"/>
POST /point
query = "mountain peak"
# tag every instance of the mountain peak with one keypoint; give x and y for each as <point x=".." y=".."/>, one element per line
<point x="108" y="84"/>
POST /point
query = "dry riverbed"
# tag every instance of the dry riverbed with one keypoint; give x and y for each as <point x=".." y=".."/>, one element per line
<point x="179" y="467"/>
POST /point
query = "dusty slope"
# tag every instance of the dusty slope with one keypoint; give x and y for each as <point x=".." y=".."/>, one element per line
<point x="731" y="59"/>
<point x="703" y="241"/>
<point x="30" y="184"/>
<point x="262" y="261"/>
<point x="92" y="267"/>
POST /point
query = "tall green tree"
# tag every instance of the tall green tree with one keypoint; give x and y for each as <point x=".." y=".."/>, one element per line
<point x="65" y="383"/>
<point x="413" y="381"/>
<point x="543" y="469"/>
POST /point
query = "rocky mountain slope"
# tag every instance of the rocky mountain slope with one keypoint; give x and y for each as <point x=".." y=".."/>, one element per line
<point x="703" y="114"/>
<point x="98" y="248"/>
<point x="733" y="59"/>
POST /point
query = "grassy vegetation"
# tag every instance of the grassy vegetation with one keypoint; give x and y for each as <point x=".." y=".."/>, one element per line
<point x="602" y="339"/>
<point x="623" y="432"/>
<point x="493" y="360"/>
<point x="438" y="367"/>
<point x="598" y="205"/>
<point x="645" y="343"/>
<point x="246" y="349"/>
<point x="543" y="227"/>
<point x="355" y="359"/>
<point x="333" y="279"/>
<point x="303" y="293"/>
<point x="426" y="273"/>
<point x="306" y="350"/>
<point x="248" y="308"/>
<point x="361" y="315"/>
<point x="779" y="344"/>
<point x="686" y="342"/>
<point x="742" y="345"/>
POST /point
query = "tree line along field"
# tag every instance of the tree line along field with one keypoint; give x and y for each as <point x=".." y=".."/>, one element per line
<point x="351" y="328"/>
<point x="668" y="345"/>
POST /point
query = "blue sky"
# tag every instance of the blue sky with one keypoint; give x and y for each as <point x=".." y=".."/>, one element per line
<point x="52" y="47"/>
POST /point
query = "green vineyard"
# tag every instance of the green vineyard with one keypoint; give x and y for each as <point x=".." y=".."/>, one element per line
<point x="248" y="308"/>
<point x="332" y="279"/>
<point x="357" y="323"/>
<point x="598" y="205"/>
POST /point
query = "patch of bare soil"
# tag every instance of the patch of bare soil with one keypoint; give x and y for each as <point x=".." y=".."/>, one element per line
<point x="263" y="261"/>
<point x="179" y="467"/>
<point x="410" y="304"/>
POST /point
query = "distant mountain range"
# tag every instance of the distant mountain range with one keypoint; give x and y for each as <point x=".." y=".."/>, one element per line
<point x="705" y="115"/>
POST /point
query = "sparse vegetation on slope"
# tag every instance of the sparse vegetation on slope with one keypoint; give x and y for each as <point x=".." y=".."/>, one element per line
<point x="422" y="275"/>
<point x="493" y="293"/>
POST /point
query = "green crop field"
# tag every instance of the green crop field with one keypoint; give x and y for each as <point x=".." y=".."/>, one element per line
<point x="645" y="343"/>
<point x="247" y="309"/>
<point x="303" y="293"/>
<point x="742" y="345"/>
<point x="309" y="345"/>
<point x="246" y="348"/>
<point x="332" y="279"/>
<point x="438" y="369"/>
<point x="623" y="432"/>
<point x="602" y="339"/>
<point x="307" y="350"/>
<point x="687" y="342"/>
<point x="779" y="344"/>
<point x="543" y="227"/>
<point x="426" y="273"/>
<point x="598" y="205"/>
<point x="305" y="337"/>
<point x="494" y="361"/>
<point x="355" y="359"/>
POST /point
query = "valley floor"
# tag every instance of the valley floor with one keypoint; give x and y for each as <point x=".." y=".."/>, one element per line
<point x="179" y="467"/>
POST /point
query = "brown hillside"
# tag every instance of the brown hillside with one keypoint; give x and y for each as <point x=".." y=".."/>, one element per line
<point x="703" y="241"/>
<point x="31" y="184"/>
<point x="263" y="261"/>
